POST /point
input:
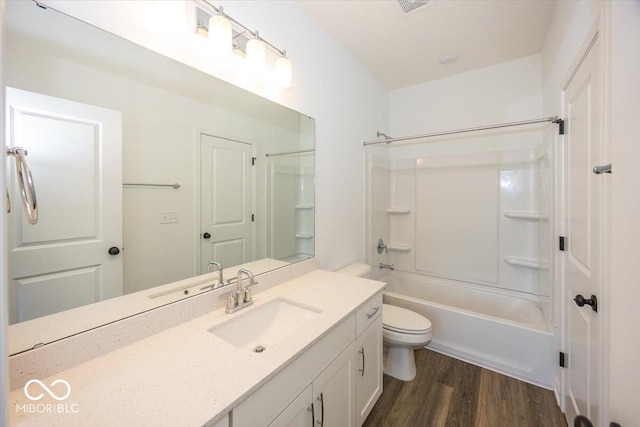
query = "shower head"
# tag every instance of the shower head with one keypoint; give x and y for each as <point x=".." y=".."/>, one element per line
<point x="386" y="137"/>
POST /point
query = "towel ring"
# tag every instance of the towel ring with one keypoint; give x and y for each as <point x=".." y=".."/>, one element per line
<point x="25" y="183"/>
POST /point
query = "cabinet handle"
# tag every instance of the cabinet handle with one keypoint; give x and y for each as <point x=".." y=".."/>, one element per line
<point x="321" y="399"/>
<point x="373" y="312"/>
<point x="313" y="413"/>
<point x="361" y="351"/>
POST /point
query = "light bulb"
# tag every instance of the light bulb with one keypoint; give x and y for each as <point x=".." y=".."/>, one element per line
<point x="256" y="55"/>
<point x="283" y="69"/>
<point x="220" y="35"/>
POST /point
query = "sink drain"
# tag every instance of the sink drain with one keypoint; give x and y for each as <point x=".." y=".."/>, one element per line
<point x="259" y="349"/>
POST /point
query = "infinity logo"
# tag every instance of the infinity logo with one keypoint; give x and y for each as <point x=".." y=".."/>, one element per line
<point x="51" y="393"/>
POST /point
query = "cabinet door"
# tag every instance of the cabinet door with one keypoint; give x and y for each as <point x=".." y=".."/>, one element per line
<point x="334" y="392"/>
<point x="369" y="372"/>
<point x="299" y="413"/>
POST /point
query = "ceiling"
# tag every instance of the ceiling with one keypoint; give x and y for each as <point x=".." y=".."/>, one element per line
<point x="405" y="50"/>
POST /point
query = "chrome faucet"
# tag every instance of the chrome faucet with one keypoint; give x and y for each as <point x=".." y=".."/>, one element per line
<point x="210" y="269"/>
<point x="241" y="297"/>
<point x="220" y="273"/>
<point x="387" y="266"/>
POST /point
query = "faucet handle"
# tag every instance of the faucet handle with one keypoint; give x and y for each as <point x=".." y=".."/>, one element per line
<point x="247" y="294"/>
<point x="232" y="300"/>
<point x="247" y="291"/>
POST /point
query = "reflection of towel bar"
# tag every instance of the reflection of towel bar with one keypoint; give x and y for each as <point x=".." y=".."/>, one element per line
<point x="175" y="186"/>
<point x="287" y="153"/>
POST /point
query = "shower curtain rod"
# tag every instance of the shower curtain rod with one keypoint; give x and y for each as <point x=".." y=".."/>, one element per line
<point x="474" y="129"/>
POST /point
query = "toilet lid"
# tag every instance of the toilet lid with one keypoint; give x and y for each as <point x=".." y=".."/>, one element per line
<point x="405" y="321"/>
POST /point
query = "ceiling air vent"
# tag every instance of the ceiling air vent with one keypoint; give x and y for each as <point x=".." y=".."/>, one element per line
<point x="407" y="7"/>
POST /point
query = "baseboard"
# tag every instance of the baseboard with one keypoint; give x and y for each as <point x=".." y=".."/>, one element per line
<point x="487" y="364"/>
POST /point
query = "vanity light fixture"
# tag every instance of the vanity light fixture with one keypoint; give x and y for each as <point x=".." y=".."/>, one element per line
<point x="220" y="34"/>
<point x="283" y="71"/>
<point x="225" y="35"/>
<point x="256" y="54"/>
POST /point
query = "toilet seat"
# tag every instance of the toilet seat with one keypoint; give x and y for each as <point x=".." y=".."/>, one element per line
<point x="403" y="321"/>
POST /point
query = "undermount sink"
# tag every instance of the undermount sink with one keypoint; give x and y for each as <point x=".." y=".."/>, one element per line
<point x="261" y="327"/>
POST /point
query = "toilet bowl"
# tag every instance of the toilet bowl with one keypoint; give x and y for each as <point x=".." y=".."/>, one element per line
<point x="403" y="332"/>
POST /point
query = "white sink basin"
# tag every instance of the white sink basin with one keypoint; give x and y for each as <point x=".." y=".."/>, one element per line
<point x="262" y="327"/>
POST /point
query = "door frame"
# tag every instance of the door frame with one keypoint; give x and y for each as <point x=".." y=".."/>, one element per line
<point x="196" y="191"/>
<point x="599" y="30"/>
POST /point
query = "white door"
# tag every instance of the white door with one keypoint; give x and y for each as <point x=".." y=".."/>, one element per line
<point x="75" y="153"/>
<point x="583" y="207"/>
<point x="226" y="201"/>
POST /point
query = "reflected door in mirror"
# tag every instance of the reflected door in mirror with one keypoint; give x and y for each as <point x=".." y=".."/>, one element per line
<point x="226" y="201"/>
<point x="75" y="153"/>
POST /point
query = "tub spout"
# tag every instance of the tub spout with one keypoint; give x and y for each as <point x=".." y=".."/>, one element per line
<point x="387" y="266"/>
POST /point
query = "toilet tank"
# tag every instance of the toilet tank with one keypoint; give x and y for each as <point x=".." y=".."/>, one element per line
<point x="356" y="269"/>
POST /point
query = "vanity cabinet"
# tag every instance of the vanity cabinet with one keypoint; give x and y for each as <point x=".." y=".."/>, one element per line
<point x="369" y="371"/>
<point x="328" y="401"/>
<point x="335" y="383"/>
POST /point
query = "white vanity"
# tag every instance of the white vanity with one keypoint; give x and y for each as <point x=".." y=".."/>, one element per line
<point x="325" y="369"/>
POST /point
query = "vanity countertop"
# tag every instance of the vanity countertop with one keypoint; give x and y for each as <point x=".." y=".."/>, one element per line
<point x="186" y="375"/>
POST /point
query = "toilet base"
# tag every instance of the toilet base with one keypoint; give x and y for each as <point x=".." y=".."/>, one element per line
<point x="400" y="363"/>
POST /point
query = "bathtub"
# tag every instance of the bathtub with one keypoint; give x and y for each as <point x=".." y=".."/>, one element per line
<point x="499" y="332"/>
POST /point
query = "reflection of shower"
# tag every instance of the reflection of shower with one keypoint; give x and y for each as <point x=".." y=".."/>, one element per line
<point x="290" y="205"/>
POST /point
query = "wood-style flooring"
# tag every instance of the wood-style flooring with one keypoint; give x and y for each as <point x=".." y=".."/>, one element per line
<point x="449" y="392"/>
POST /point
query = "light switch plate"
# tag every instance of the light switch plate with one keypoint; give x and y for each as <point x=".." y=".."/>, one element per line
<point x="169" y="217"/>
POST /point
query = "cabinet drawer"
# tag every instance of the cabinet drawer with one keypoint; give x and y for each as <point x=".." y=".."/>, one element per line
<point x="368" y="313"/>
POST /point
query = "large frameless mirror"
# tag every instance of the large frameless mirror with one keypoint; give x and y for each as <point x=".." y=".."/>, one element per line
<point x="145" y="171"/>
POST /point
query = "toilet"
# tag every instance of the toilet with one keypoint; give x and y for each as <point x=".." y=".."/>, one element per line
<point x="403" y="332"/>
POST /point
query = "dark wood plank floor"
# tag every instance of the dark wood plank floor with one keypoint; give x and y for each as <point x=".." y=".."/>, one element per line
<point x="449" y="392"/>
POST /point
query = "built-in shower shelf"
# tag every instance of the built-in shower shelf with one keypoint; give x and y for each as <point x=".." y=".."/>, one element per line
<point x="398" y="247"/>
<point x="399" y="211"/>
<point x="527" y="215"/>
<point x="526" y="262"/>
<point x="304" y="207"/>
<point x="304" y="235"/>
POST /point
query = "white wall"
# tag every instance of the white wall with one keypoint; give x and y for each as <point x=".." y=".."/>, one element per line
<point x="500" y="93"/>
<point x="348" y="103"/>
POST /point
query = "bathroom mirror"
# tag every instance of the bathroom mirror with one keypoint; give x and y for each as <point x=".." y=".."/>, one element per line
<point x="145" y="170"/>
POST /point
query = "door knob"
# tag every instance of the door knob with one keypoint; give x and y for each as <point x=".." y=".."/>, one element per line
<point x="581" y="420"/>
<point x="206" y="236"/>
<point x="581" y="301"/>
<point x="114" y="250"/>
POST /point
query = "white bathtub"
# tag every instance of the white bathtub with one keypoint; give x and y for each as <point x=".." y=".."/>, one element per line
<point x="499" y="332"/>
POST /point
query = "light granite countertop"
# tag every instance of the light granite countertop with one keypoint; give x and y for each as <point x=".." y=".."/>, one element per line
<point x="185" y="375"/>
